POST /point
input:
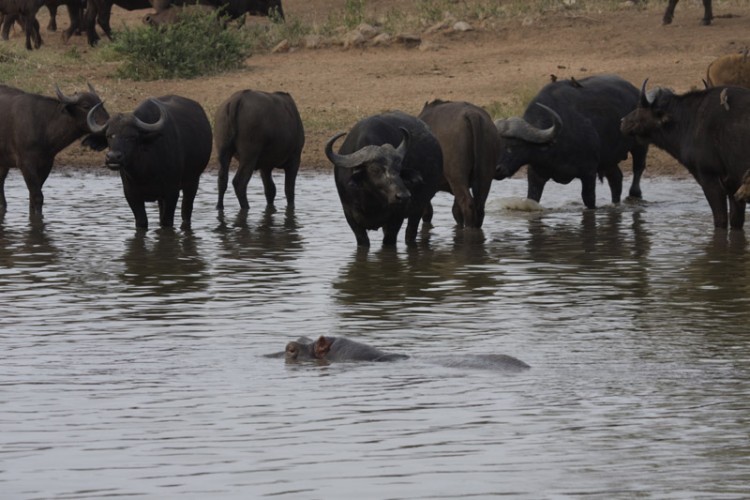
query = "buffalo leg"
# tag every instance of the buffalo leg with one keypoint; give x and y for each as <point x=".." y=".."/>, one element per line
<point x="138" y="207"/>
<point x="427" y="214"/>
<point x="359" y="232"/>
<point x="8" y="21"/>
<point x="458" y="214"/>
<point x="391" y="229"/>
<point x="669" y="13"/>
<point x="480" y="194"/>
<point x="225" y="158"/>
<point x="717" y="200"/>
<point x="290" y="180"/>
<point x="3" y="175"/>
<point x="269" y="188"/>
<point x="52" y="24"/>
<point x="103" y="19"/>
<point x="466" y="206"/>
<point x="241" y="180"/>
<point x="613" y="175"/>
<point x="167" y="208"/>
<point x="536" y="185"/>
<point x="34" y="177"/>
<point x="639" y="166"/>
<point x="736" y="213"/>
<point x="188" y="197"/>
<point x="412" y="225"/>
<point x="708" y="14"/>
<point x="588" y="190"/>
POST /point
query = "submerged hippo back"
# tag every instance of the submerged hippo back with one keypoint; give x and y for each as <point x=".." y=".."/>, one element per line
<point x="343" y="349"/>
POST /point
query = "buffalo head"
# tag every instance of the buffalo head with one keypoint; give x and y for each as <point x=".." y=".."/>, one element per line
<point x="125" y="134"/>
<point x="650" y="116"/>
<point x="377" y="170"/>
<point x="520" y="141"/>
<point x="81" y="105"/>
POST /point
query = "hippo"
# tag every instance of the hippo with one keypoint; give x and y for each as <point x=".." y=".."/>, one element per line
<point x="341" y="349"/>
<point x="333" y="349"/>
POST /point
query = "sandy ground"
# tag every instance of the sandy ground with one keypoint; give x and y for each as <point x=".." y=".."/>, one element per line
<point x="499" y="65"/>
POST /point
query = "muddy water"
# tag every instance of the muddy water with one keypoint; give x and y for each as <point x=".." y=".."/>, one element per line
<point x="132" y="364"/>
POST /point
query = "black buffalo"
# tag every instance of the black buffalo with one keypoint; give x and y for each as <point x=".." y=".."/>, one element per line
<point x="159" y="149"/>
<point x="75" y="12"/>
<point x="706" y="131"/>
<point x="707" y="12"/>
<point x="387" y="170"/>
<point x="263" y="131"/>
<point x="34" y="128"/>
<point x="99" y="11"/>
<point x="24" y="11"/>
<point x="571" y="130"/>
<point x="470" y="147"/>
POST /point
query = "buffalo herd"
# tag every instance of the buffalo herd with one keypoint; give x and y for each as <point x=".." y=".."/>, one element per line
<point x="390" y="165"/>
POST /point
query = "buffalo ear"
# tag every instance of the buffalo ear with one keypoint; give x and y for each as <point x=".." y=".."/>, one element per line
<point x="359" y="174"/>
<point x="321" y="347"/>
<point x="95" y="142"/>
<point x="411" y="177"/>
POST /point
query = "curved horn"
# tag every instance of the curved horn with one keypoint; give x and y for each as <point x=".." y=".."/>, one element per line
<point x="91" y="88"/>
<point x="519" y="128"/>
<point x="157" y="125"/>
<point x="643" y="101"/>
<point x="93" y="126"/>
<point x="335" y="158"/>
<point x="63" y="98"/>
<point x="404" y="146"/>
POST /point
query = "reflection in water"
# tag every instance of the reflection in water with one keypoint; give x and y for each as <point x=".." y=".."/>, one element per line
<point x="164" y="262"/>
<point x="133" y="363"/>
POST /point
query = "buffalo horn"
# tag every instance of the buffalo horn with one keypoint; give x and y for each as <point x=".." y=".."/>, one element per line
<point x="643" y="100"/>
<point x="521" y="129"/>
<point x="152" y="127"/>
<point x="401" y="149"/>
<point x="93" y="126"/>
<point x="91" y="88"/>
<point x="335" y="158"/>
<point x="63" y="98"/>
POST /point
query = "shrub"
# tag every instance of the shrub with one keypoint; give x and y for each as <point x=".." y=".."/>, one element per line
<point x="198" y="44"/>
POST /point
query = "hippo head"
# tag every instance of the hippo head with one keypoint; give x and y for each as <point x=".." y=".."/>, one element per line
<point x="299" y="350"/>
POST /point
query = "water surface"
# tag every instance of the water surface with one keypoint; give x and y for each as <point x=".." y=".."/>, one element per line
<point x="132" y="363"/>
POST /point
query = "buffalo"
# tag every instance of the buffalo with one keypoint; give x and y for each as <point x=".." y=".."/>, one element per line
<point x="35" y="128"/>
<point x="571" y="130"/>
<point x="99" y="11"/>
<point x="160" y="149"/>
<point x="25" y="11"/>
<point x="470" y="147"/>
<point x="730" y="69"/>
<point x="669" y="13"/>
<point x="705" y="130"/>
<point x="263" y="131"/>
<point x="387" y="170"/>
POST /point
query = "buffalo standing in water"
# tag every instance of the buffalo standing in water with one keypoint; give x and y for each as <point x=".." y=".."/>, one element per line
<point x="159" y="149"/>
<point x="706" y="131"/>
<point x="263" y="131"/>
<point x="470" y="147"/>
<point x="387" y="169"/>
<point x="571" y="130"/>
<point x="34" y="128"/>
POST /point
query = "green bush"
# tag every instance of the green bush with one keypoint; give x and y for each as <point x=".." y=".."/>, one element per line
<point x="196" y="45"/>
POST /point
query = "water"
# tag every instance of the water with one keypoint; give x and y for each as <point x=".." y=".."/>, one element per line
<point x="132" y="364"/>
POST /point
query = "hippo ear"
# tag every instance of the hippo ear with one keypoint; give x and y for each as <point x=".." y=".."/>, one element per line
<point x="322" y="346"/>
<point x="411" y="177"/>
